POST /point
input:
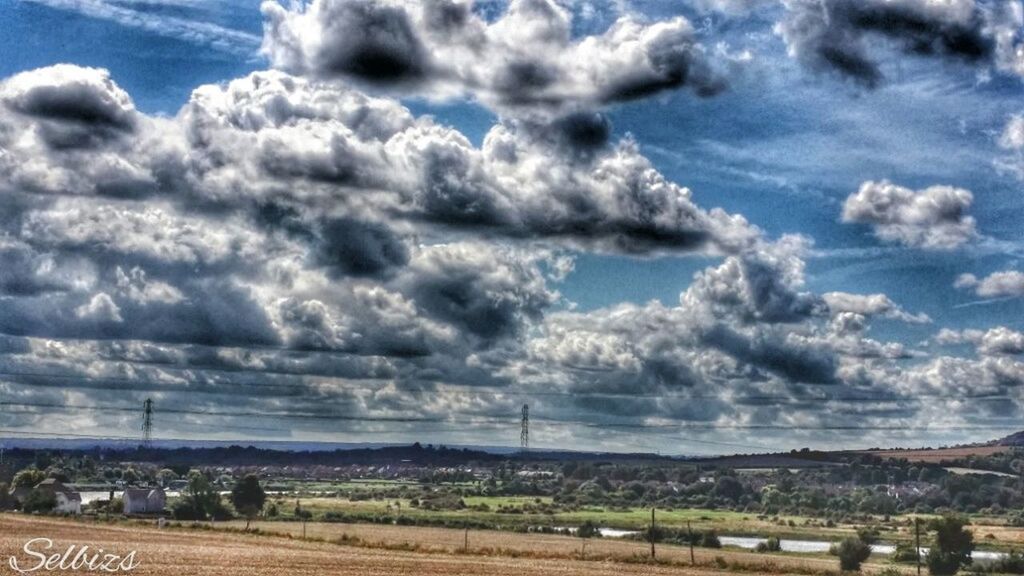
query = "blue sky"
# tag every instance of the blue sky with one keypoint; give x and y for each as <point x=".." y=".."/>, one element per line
<point x="786" y="145"/>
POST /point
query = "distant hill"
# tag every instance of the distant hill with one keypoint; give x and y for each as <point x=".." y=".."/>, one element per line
<point x="1015" y="439"/>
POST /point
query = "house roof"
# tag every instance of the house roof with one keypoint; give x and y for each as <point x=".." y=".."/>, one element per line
<point x="56" y="486"/>
<point x="142" y="492"/>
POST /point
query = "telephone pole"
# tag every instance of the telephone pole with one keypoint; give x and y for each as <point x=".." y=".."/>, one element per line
<point x="147" y="422"/>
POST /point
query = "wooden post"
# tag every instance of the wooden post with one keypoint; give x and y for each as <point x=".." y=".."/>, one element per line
<point x="689" y="536"/>
<point x="917" y="542"/>
<point x="465" y="543"/>
<point x="652" y="533"/>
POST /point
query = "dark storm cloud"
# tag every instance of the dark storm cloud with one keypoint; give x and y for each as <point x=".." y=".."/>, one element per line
<point x="524" y="62"/>
<point x="213" y="312"/>
<point x="351" y="247"/>
<point x="836" y="35"/>
<point x="490" y="294"/>
<point x="799" y="365"/>
<point x="372" y="42"/>
<point x="74" y="107"/>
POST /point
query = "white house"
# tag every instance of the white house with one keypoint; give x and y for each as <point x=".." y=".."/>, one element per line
<point x="144" y="500"/>
<point x="68" y="500"/>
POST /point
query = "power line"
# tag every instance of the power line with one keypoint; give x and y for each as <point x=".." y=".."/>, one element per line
<point x="477" y="419"/>
<point x="495" y="390"/>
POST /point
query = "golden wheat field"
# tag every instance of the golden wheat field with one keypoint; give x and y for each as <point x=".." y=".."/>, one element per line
<point x="373" y="550"/>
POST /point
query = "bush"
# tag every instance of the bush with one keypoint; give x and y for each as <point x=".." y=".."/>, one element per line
<point x="905" y="552"/>
<point x="771" y="545"/>
<point x="588" y="530"/>
<point x="868" y="535"/>
<point x="852" y="553"/>
<point x="710" y="540"/>
<point x="186" y="509"/>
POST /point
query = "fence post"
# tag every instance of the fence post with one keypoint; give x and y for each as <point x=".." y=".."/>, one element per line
<point x="652" y="533"/>
<point x="917" y="542"/>
<point x="689" y="536"/>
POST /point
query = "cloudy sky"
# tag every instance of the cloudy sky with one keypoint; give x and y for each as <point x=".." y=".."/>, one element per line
<point x="684" y="226"/>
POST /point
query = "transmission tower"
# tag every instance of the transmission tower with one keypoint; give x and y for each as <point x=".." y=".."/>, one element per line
<point x="147" y="422"/>
<point x="524" y="436"/>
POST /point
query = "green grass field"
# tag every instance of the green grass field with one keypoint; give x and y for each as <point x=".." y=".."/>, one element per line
<point x="725" y="522"/>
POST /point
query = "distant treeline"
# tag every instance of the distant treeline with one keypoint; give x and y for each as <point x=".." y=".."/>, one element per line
<point x="415" y="454"/>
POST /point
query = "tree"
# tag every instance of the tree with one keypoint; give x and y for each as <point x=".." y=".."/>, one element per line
<point x="728" y="487"/>
<point x="852" y="553"/>
<point x="952" y="546"/>
<point x="7" y="502"/>
<point x="199" y="501"/>
<point x="166" y="476"/>
<point x="248" y="498"/>
<point x="28" y="478"/>
<point x="39" y="501"/>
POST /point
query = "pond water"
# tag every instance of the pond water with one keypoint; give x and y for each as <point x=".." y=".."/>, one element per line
<point x="820" y="546"/>
<point x="93" y="495"/>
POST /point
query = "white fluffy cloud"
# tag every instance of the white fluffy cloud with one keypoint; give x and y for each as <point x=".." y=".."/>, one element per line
<point x="992" y="342"/>
<point x="870" y="305"/>
<point x="1006" y="283"/>
<point x="933" y="218"/>
<point x="1012" y="141"/>
<point x="526" y="62"/>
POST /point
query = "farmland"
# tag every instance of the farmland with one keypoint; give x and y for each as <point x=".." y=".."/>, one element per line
<point x="939" y="454"/>
<point x="343" y="550"/>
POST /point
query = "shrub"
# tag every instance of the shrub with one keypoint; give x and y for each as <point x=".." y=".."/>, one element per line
<point x="588" y="530"/>
<point x="710" y="540"/>
<point x="186" y="509"/>
<point x="868" y="534"/>
<point x="852" y="553"/>
<point x="905" y="552"/>
<point x="772" y="544"/>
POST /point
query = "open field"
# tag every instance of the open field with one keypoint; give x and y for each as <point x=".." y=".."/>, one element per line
<point x="636" y="518"/>
<point x="373" y="550"/>
<point x="939" y="454"/>
<point x="991" y="533"/>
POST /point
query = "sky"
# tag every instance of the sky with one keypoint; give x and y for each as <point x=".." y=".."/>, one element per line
<point x="687" y="226"/>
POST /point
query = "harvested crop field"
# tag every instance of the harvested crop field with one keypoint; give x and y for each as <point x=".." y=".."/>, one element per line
<point x="939" y="454"/>
<point x="186" y="552"/>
